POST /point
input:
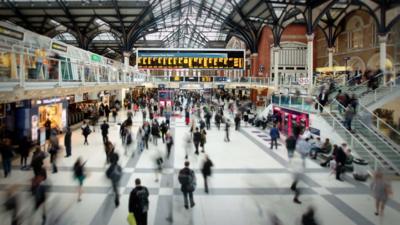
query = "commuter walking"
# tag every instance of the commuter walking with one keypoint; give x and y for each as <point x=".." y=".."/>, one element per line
<point x="53" y="150"/>
<point x="187" y="116"/>
<point x="7" y="155"/>
<point x="208" y="119"/>
<point x="163" y="129"/>
<point x="107" y="112"/>
<point x="206" y="171"/>
<point x="155" y="132"/>
<point x="290" y="146"/>
<point x="24" y="149"/>
<point x="109" y="150"/>
<point x="381" y="190"/>
<point x="79" y="175"/>
<point x="85" y="132"/>
<point x="340" y="158"/>
<point x="274" y="134"/>
<point x="237" y="122"/>
<point x="68" y="142"/>
<point x="227" y="127"/>
<point x="104" y="131"/>
<point x="127" y="139"/>
<point x="196" y="140"/>
<point x="348" y="117"/>
<point x="39" y="189"/>
<point x="203" y="139"/>
<point x="217" y="119"/>
<point x="187" y="179"/>
<point x="37" y="160"/>
<point x="114" y="173"/>
<point x="140" y="140"/>
<point x="139" y="203"/>
<point x="169" y="142"/>
<point x="308" y="218"/>
<point x="114" y="114"/>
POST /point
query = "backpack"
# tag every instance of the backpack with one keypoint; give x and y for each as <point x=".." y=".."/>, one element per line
<point x="143" y="199"/>
<point x="186" y="178"/>
<point x="114" y="173"/>
<point x="129" y="139"/>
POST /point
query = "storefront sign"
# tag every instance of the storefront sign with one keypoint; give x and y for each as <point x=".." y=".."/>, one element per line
<point x="191" y="79"/>
<point x="4" y="31"/>
<point x="59" y="47"/>
<point x="48" y="101"/>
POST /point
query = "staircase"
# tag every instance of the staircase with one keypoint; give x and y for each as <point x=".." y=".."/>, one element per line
<point x="382" y="148"/>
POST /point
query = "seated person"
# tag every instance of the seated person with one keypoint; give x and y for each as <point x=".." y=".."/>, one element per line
<point x="325" y="148"/>
<point x="315" y="147"/>
<point x="330" y="157"/>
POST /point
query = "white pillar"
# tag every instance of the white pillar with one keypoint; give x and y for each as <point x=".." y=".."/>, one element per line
<point x="330" y="57"/>
<point x="275" y="50"/>
<point x="126" y="59"/>
<point x="382" y="54"/>
<point x="310" y="58"/>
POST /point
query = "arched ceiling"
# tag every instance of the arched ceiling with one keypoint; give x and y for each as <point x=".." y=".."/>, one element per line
<point x="111" y="27"/>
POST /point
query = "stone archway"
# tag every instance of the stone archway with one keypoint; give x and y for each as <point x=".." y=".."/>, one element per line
<point x="356" y="64"/>
<point x="373" y="63"/>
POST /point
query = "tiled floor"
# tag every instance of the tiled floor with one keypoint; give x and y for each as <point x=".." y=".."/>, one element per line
<point x="249" y="183"/>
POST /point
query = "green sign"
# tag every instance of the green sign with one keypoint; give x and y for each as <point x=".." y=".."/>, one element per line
<point x="96" y="58"/>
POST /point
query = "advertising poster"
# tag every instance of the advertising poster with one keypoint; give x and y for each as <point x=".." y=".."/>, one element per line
<point x="34" y="124"/>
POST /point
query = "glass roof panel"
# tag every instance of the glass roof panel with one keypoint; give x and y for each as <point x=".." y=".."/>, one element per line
<point x="65" y="37"/>
<point x="190" y="23"/>
<point x="106" y="36"/>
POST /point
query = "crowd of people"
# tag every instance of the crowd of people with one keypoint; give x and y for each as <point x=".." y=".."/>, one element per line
<point x="223" y="109"/>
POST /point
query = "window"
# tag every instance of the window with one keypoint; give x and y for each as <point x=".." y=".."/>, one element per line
<point x="355" y="29"/>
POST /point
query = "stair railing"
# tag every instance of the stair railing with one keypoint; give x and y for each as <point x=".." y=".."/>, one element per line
<point x="353" y="140"/>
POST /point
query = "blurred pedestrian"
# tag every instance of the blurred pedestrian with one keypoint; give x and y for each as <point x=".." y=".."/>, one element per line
<point x="7" y="155"/>
<point x="24" y="149"/>
<point x="274" y="135"/>
<point x="196" y="140"/>
<point x="308" y="218"/>
<point x="79" y="175"/>
<point x="53" y="151"/>
<point x="68" y="142"/>
<point x="104" y="131"/>
<point x="85" y="132"/>
<point x="206" y="171"/>
<point x="381" y="190"/>
<point x="114" y="173"/>
<point x="169" y="142"/>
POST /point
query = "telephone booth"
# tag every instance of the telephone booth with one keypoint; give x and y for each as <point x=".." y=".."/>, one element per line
<point x="291" y="118"/>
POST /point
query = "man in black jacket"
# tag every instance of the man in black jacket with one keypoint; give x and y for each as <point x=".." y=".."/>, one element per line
<point x="340" y="161"/>
<point x="290" y="146"/>
<point x="139" y="203"/>
<point x="67" y="142"/>
<point x="104" y="131"/>
<point x="206" y="171"/>
<point x="196" y="140"/>
<point x="187" y="179"/>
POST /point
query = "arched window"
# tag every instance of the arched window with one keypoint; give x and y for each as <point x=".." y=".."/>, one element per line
<point x="355" y="32"/>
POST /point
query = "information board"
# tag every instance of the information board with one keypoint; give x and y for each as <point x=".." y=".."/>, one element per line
<point x="154" y="59"/>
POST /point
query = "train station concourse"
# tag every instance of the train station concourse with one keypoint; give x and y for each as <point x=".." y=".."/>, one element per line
<point x="199" y="112"/>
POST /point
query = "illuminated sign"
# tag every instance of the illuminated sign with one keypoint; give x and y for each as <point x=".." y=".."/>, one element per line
<point x="206" y="79"/>
<point x="177" y="78"/>
<point x="191" y="79"/>
<point x="59" y="47"/>
<point x="11" y="33"/>
<point x="220" y="79"/>
<point x="95" y="58"/>
<point x="154" y="59"/>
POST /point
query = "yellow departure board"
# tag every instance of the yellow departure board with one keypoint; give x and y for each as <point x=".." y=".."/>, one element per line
<point x="190" y="59"/>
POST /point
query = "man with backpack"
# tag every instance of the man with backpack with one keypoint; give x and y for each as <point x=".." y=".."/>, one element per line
<point x="114" y="173"/>
<point x="139" y="203"/>
<point x="187" y="179"/>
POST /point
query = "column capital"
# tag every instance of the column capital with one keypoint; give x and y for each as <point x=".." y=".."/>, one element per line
<point x="255" y="54"/>
<point x="310" y="37"/>
<point x="382" y="38"/>
<point x="276" y="48"/>
<point x="331" y="49"/>
<point x="127" y="54"/>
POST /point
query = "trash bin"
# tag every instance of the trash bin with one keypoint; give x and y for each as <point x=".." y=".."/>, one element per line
<point x="360" y="169"/>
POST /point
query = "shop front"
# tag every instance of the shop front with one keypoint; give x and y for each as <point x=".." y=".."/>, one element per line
<point x="50" y="112"/>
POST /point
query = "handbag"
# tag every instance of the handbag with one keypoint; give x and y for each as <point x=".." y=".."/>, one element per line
<point x="131" y="219"/>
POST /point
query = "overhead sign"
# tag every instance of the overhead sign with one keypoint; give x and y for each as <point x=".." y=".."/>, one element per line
<point x="59" y="47"/>
<point x="154" y="59"/>
<point x="11" y="33"/>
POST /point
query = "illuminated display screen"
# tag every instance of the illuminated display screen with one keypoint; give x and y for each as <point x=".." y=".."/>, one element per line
<point x="190" y="59"/>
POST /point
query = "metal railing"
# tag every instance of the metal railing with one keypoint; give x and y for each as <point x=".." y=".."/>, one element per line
<point x="353" y="142"/>
<point x="26" y="70"/>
